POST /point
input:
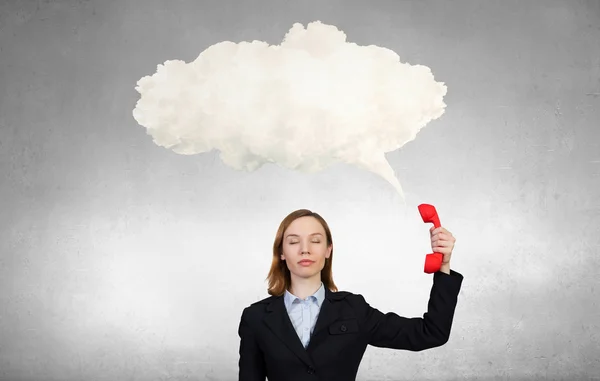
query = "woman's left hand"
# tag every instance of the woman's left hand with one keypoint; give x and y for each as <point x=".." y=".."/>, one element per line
<point x="442" y="241"/>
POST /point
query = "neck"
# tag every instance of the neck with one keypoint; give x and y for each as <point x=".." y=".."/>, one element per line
<point x="305" y="287"/>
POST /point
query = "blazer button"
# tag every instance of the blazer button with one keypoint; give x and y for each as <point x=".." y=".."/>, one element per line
<point x="310" y="370"/>
<point x="343" y="328"/>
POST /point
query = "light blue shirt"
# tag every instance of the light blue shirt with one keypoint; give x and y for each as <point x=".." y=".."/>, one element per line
<point x="304" y="313"/>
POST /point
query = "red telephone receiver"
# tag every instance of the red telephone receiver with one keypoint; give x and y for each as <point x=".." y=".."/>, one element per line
<point x="433" y="261"/>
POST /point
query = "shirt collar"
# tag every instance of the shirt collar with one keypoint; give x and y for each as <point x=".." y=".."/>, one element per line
<point x="318" y="296"/>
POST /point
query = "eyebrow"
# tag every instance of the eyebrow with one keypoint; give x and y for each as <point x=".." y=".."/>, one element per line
<point x="296" y="235"/>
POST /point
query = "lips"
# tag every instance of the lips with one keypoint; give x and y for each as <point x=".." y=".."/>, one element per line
<point x="306" y="262"/>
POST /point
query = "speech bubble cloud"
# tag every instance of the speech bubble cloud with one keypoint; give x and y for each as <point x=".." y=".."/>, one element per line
<point x="310" y="102"/>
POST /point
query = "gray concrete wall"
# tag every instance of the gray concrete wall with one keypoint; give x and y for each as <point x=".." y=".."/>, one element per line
<point x="115" y="254"/>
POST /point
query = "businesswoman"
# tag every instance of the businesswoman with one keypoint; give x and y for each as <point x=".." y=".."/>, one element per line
<point x="308" y="330"/>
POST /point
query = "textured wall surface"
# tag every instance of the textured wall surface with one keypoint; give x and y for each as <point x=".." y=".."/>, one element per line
<point x="120" y="260"/>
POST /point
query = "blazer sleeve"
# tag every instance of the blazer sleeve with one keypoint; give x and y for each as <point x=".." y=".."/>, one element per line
<point x="251" y="363"/>
<point x="416" y="334"/>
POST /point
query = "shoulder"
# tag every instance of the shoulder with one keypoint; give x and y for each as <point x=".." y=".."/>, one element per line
<point x="349" y="301"/>
<point x="356" y="300"/>
<point x="345" y="295"/>
<point x="258" y="308"/>
<point x="348" y="304"/>
<point x="263" y="302"/>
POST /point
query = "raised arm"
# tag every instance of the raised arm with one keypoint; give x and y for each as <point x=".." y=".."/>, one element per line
<point x="416" y="334"/>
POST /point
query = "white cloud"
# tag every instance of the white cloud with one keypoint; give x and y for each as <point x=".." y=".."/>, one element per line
<point x="312" y="101"/>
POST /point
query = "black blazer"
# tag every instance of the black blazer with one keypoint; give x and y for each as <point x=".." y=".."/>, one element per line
<point x="270" y="347"/>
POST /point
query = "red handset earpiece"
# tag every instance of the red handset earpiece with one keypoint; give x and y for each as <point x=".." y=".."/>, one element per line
<point x="433" y="261"/>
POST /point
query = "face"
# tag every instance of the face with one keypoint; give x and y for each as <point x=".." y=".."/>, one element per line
<point x="305" y="239"/>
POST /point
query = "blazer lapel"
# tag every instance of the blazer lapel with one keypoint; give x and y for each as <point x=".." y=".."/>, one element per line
<point x="329" y="313"/>
<point x="278" y="320"/>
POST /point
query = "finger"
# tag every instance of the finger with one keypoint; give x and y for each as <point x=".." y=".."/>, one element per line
<point x="444" y="236"/>
<point x="444" y="230"/>
<point x="441" y="242"/>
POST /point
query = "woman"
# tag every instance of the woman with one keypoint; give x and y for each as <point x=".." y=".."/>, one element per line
<point x="308" y="330"/>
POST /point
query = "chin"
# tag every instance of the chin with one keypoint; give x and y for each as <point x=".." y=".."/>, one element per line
<point x="308" y="272"/>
